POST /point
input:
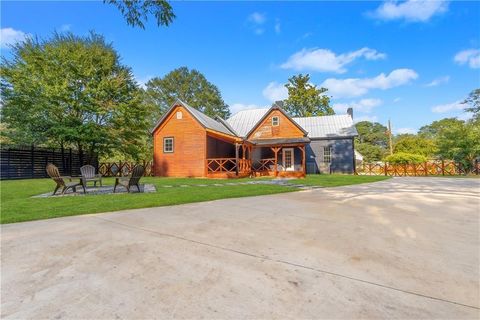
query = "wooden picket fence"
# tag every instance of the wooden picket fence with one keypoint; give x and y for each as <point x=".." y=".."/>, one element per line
<point x="430" y="168"/>
<point x="124" y="168"/>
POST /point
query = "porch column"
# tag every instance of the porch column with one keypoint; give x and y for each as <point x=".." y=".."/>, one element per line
<point x="304" y="164"/>
<point x="275" y="150"/>
<point x="236" y="158"/>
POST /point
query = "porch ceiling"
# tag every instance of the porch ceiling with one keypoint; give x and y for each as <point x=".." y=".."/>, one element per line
<point x="280" y="141"/>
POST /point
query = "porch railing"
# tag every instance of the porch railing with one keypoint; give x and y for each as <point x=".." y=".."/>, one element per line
<point x="217" y="165"/>
<point x="263" y="164"/>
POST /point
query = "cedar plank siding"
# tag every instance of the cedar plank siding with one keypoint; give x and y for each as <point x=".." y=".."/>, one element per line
<point x="285" y="129"/>
<point x="188" y="157"/>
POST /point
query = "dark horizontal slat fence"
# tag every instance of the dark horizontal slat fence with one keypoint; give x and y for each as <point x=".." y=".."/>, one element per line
<point x="30" y="162"/>
<point x="429" y="168"/>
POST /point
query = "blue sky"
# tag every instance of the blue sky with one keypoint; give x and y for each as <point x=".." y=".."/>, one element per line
<point x="408" y="61"/>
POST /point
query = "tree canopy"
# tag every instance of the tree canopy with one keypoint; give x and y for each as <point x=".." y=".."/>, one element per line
<point x="71" y="91"/>
<point x="472" y="103"/>
<point x="190" y="86"/>
<point x="414" y="144"/>
<point x="305" y="99"/>
<point x="371" y="141"/>
<point x="432" y="130"/>
<point x="460" y="142"/>
<point x="136" y="12"/>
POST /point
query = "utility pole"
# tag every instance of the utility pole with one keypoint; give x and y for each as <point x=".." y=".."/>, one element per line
<point x="390" y="137"/>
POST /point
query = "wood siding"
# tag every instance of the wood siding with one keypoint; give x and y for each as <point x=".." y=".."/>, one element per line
<point x="285" y="129"/>
<point x="188" y="156"/>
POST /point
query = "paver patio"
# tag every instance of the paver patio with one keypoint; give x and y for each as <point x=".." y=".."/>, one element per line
<point x="401" y="248"/>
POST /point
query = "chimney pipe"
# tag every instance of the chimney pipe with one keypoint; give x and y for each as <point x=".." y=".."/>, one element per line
<point x="350" y="112"/>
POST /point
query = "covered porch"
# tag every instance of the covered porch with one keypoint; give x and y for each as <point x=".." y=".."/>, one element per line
<point x="255" y="158"/>
<point x="279" y="157"/>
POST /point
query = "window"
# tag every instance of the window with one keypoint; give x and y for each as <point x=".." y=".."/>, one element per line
<point x="327" y="154"/>
<point x="275" y="121"/>
<point x="168" y="145"/>
<point x="179" y="115"/>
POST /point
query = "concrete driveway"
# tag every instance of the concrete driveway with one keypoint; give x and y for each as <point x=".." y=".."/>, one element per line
<point x="403" y="248"/>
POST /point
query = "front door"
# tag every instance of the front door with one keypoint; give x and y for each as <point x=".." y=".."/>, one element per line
<point x="288" y="159"/>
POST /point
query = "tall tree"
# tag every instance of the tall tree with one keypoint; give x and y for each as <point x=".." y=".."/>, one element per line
<point x="372" y="140"/>
<point x="414" y="144"/>
<point x="72" y="91"/>
<point x="432" y="130"/>
<point x="305" y="99"/>
<point x="460" y="142"/>
<point x="473" y="103"/>
<point x="136" y="12"/>
<point x="189" y="86"/>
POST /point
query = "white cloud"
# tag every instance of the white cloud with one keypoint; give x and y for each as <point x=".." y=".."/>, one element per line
<point x="257" y="18"/>
<point x="354" y="87"/>
<point x="470" y="56"/>
<point x="398" y="99"/>
<point x="256" y="21"/>
<point x="465" y="116"/>
<point x="364" y="106"/>
<point x="275" y="91"/>
<point x="325" y="60"/>
<point x="454" y="106"/>
<point x="410" y="10"/>
<point x="438" y="81"/>
<point x="278" y="27"/>
<point x="365" y="118"/>
<point x="405" y="130"/>
<point x="236" y="107"/>
<point x="65" y="27"/>
<point x="10" y="36"/>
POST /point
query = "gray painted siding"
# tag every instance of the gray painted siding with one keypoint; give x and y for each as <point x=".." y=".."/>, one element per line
<point x="342" y="156"/>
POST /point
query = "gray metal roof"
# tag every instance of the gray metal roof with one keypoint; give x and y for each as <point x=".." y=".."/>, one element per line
<point x="204" y="120"/>
<point x="335" y="126"/>
<point x="243" y="121"/>
<point x="208" y="122"/>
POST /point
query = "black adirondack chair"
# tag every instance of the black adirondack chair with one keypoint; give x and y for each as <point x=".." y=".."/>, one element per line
<point x="53" y="173"/>
<point x="130" y="181"/>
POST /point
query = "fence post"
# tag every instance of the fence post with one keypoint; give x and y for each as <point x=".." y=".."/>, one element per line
<point x="476" y="167"/>
<point x="385" y="168"/>
<point x="70" y="162"/>
<point x="32" y="170"/>
<point x="443" y="167"/>
<point x="426" y="168"/>
<point x="8" y="163"/>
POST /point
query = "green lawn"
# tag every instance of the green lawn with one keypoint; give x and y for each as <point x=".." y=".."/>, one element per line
<point x="336" y="180"/>
<point x="17" y="204"/>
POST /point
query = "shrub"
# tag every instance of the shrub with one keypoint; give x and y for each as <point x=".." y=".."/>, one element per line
<point x="405" y="158"/>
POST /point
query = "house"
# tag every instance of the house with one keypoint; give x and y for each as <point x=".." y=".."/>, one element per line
<point x="260" y="142"/>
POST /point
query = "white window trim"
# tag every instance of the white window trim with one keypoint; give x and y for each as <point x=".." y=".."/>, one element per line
<point x="329" y="148"/>
<point x="292" y="167"/>
<point x="165" y="144"/>
<point x="278" y="121"/>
